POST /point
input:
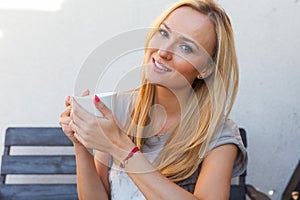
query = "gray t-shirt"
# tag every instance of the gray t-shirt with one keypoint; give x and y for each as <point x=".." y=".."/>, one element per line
<point x="122" y="187"/>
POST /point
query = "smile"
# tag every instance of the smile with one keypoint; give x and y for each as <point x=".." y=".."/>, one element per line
<point x="159" y="68"/>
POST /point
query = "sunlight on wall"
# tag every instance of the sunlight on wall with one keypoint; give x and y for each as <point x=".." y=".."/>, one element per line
<point x="37" y="5"/>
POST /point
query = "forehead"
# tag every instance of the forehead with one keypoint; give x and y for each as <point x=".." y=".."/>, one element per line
<point x="188" y="21"/>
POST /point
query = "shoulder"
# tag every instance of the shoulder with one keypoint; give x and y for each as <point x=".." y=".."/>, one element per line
<point x="229" y="133"/>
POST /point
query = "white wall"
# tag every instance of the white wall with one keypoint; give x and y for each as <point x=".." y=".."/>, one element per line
<point x="41" y="53"/>
<point x="267" y="35"/>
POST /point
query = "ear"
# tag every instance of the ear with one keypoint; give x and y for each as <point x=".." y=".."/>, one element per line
<point x="206" y="72"/>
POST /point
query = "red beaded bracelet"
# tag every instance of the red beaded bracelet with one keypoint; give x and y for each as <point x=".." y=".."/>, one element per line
<point x="125" y="160"/>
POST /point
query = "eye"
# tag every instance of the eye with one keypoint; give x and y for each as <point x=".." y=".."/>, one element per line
<point x="186" y="49"/>
<point x="163" y="33"/>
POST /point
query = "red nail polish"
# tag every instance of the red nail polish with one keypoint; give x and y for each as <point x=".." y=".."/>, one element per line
<point x="68" y="98"/>
<point x="97" y="99"/>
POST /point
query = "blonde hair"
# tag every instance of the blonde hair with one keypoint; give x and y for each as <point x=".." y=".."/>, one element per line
<point x="187" y="145"/>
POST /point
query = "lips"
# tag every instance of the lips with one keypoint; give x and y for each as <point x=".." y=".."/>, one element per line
<point x="159" y="66"/>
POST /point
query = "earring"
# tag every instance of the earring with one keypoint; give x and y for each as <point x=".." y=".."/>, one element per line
<point x="199" y="76"/>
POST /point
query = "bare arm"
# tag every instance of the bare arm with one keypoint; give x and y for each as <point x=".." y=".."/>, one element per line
<point x="215" y="177"/>
<point x="213" y="182"/>
<point x="89" y="184"/>
<point x="102" y="163"/>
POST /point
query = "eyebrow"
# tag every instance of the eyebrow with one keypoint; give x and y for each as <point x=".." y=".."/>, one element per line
<point x="182" y="37"/>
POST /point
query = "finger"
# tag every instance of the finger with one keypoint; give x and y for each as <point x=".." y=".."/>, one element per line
<point x="76" y="132"/>
<point x="70" y="134"/>
<point x="79" y="112"/>
<point x="66" y="112"/>
<point x="65" y="121"/>
<point x="67" y="130"/>
<point x="78" y="138"/>
<point x="78" y="121"/>
<point x="72" y="126"/>
<point x="68" y="101"/>
<point x="76" y="128"/>
<point x="102" y="108"/>
<point x="86" y="93"/>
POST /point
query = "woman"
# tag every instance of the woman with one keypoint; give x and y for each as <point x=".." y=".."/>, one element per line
<point x="172" y="138"/>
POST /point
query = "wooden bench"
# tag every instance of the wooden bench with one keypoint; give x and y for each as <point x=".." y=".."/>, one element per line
<point x="36" y="165"/>
<point x="59" y="164"/>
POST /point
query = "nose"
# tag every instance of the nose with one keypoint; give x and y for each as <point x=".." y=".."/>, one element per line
<point x="165" y="52"/>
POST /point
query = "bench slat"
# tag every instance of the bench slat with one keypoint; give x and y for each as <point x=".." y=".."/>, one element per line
<point x="41" y="136"/>
<point x="38" y="164"/>
<point x="237" y="192"/>
<point x="243" y="136"/>
<point x="38" y="191"/>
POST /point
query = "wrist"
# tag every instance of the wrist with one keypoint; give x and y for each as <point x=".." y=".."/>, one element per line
<point x="124" y="162"/>
<point x="121" y="149"/>
<point x="78" y="147"/>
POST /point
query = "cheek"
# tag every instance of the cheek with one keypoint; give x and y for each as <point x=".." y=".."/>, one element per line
<point x="147" y="55"/>
<point x="187" y="70"/>
<point x="191" y="75"/>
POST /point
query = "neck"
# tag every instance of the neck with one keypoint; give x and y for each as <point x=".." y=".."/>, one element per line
<point x="170" y="101"/>
<point x="172" y="104"/>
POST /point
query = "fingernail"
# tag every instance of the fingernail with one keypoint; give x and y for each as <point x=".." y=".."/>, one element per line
<point x="68" y="98"/>
<point x="97" y="99"/>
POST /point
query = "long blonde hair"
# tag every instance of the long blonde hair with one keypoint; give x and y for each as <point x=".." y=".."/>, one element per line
<point x="187" y="145"/>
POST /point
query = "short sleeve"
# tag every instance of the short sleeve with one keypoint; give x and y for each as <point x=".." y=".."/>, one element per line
<point x="230" y="134"/>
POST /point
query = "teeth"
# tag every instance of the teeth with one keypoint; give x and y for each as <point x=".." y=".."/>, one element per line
<point x="161" y="67"/>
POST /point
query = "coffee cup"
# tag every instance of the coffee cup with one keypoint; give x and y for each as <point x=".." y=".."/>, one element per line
<point x="87" y="102"/>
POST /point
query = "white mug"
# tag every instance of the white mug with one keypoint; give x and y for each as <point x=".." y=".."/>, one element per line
<point x="88" y="104"/>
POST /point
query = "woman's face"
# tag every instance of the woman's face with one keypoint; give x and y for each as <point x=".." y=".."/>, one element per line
<point x="180" y="48"/>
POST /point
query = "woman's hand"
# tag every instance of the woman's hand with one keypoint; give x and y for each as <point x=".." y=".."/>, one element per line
<point x="100" y="133"/>
<point x="65" y="119"/>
